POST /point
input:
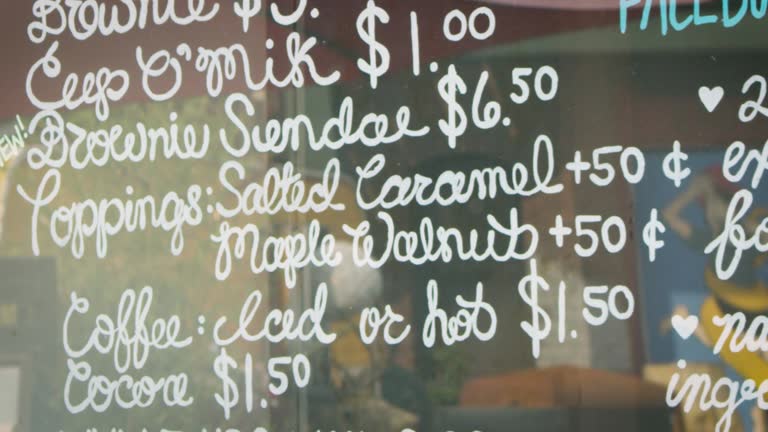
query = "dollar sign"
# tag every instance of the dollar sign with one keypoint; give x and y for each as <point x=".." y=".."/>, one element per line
<point x="229" y="395"/>
<point x="540" y="325"/>
<point x="651" y="230"/>
<point x="247" y="9"/>
<point x="672" y="165"/>
<point x="456" y="124"/>
<point x="378" y="54"/>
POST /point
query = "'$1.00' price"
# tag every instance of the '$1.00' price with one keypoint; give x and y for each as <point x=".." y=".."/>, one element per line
<point x="225" y="366"/>
<point x="600" y="304"/>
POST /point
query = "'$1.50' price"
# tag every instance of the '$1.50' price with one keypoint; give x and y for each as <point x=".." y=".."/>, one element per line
<point x="600" y="303"/>
<point x="225" y="365"/>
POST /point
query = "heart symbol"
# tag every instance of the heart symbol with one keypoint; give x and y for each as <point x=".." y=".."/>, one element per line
<point x="711" y="97"/>
<point x="685" y="326"/>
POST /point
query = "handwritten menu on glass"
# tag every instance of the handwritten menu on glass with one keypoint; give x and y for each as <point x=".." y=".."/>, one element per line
<point x="455" y="215"/>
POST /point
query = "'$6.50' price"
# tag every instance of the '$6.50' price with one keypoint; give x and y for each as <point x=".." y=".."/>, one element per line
<point x="279" y="369"/>
<point x="600" y="304"/>
<point x="486" y="115"/>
